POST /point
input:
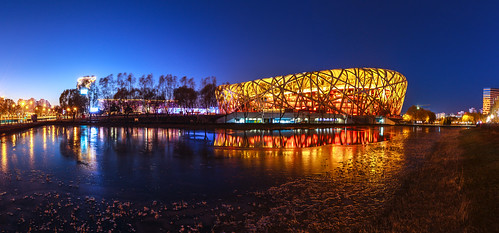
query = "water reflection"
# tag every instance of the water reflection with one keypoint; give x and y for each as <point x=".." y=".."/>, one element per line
<point x="142" y="140"/>
<point x="145" y="163"/>
<point x="299" y="138"/>
<point x="347" y="162"/>
<point x="74" y="144"/>
<point x="31" y="148"/>
<point x="4" y="156"/>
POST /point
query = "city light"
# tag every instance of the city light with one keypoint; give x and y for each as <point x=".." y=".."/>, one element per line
<point x="94" y="109"/>
<point x="86" y="81"/>
<point x="355" y="91"/>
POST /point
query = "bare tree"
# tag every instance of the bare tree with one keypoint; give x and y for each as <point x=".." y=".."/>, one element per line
<point x="120" y="80"/>
<point x="146" y="90"/>
<point x="71" y="98"/>
<point x="207" y="92"/>
<point x="171" y="83"/>
<point x="130" y="80"/>
<point x="190" y="83"/>
<point x="8" y="107"/>
<point x="161" y="88"/>
<point x="106" y="87"/>
<point x="185" y="96"/>
<point x="183" y="81"/>
<point x="11" y="106"/>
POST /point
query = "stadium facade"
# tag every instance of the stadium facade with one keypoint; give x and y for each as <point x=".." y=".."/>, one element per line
<point x="328" y="95"/>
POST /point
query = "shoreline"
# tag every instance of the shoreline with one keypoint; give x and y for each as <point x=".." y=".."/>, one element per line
<point x="437" y="185"/>
<point x="153" y="122"/>
<point x="340" y="195"/>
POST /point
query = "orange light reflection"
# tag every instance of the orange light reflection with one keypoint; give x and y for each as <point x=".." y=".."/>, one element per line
<point x="298" y="138"/>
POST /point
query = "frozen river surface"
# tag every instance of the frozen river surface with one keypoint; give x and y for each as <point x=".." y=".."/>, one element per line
<point x="141" y="179"/>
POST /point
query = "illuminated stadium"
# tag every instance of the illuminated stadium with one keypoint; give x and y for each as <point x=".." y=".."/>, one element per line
<point x="329" y="95"/>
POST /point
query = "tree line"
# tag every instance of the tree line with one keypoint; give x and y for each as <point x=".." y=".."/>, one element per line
<point x="124" y="93"/>
<point x="8" y="107"/>
<point x="415" y="113"/>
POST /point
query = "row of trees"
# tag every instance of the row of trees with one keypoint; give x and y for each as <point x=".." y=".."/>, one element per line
<point x="9" y="108"/>
<point x="415" y="113"/>
<point x="125" y="92"/>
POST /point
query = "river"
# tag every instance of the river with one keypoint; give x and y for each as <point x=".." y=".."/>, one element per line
<point x="55" y="168"/>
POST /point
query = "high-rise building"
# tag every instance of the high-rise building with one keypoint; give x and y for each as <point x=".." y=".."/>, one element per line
<point x="490" y="95"/>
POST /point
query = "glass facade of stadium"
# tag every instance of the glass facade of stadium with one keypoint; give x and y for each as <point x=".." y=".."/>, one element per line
<point x="329" y="95"/>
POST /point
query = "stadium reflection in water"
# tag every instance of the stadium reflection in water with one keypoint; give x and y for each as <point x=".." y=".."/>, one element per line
<point x="299" y="138"/>
<point x="170" y="164"/>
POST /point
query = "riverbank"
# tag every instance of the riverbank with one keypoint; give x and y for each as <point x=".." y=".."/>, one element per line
<point x="455" y="190"/>
<point x="13" y="128"/>
<point x="203" y="122"/>
<point x="419" y="181"/>
<point x="430" y="197"/>
<point x="425" y="196"/>
<point x="57" y="185"/>
<point x="480" y="168"/>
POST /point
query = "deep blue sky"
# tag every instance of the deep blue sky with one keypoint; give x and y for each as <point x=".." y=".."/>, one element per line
<point x="449" y="51"/>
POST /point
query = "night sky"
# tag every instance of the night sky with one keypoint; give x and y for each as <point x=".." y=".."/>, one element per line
<point x="448" y="51"/>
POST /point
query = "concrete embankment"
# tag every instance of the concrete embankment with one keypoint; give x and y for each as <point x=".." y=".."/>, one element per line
<point x="176" y="121"/>
<point x="8" y="129"/>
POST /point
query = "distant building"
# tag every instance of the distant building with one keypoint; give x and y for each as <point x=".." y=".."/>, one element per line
<point x="490" y="95"/>
<point x="472" y="110"/>
<point x="440" y="115"/>
<point x="460" y="114"/>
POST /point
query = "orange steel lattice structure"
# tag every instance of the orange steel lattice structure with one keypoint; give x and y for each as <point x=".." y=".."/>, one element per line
<point x="353" y="91"/>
